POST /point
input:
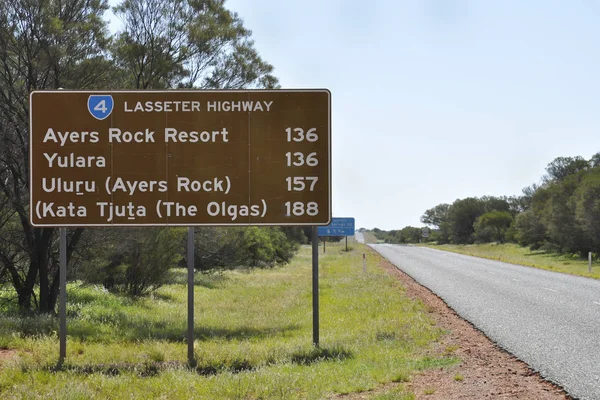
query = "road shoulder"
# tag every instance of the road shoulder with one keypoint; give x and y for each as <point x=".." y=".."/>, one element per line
<point x="485" y="371"/>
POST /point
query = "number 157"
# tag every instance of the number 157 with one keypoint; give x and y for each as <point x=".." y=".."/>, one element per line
<point x="299" y="183"/>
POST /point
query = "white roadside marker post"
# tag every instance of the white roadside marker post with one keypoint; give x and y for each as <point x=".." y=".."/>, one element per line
<point x="364" y="263"/>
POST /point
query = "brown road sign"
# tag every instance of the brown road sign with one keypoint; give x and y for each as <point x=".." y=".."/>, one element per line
<point x="129" y="158"/>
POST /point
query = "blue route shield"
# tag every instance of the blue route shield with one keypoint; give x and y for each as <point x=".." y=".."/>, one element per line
<point x="100" y="105"/>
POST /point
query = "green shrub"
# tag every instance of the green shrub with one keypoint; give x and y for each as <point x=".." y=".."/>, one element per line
<point x="139" y="260"/>
<point x="228" y="248"/>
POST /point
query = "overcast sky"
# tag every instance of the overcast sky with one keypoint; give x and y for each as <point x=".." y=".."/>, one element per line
<point x="435" y="100"/>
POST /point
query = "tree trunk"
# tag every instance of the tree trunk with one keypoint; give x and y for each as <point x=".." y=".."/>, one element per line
<point x="24" y="298"/>
<point x="44" y="286"/>
<point x="26" y="291"/>
<point x="54" y="291"/>
<point x="42" y="259"/>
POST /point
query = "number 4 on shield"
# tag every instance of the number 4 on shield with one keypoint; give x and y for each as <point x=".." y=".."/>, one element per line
<point x="100" y="106"/>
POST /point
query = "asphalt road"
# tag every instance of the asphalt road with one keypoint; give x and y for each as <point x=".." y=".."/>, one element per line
<point x="549" y="320"/>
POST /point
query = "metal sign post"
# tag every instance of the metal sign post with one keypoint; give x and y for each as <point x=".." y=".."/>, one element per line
<point x="190" y="262"/>
<point x="63" y="296"/>
<point x="315" y="284"/>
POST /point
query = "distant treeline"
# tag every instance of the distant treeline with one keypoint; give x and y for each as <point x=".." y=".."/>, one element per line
<point x="408" y="234"/>
<point x="562" y="213"/>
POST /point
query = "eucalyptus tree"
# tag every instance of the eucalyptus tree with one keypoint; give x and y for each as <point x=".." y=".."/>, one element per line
<point x="187" y="44"/>
<point x="51" y="44"/>
<point x="43" y="45"/>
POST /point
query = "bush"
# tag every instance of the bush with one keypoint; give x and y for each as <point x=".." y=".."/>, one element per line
<point x="140" y="259"/>
<point x="228" y="248"/>
<point x="484" y="235"/>
<point x="492" y="226"/>
<point x="511" y="234"/>
<point x="218" y="248"/>
<point x="266" y="247"/>
<point x="530" y="230"/>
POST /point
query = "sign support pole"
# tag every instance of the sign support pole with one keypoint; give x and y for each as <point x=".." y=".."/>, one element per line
<point x="63" y="296"/>
<point x="190" y="262"/>
<point x="346" y="243"/>
<point x="315" y="284"/>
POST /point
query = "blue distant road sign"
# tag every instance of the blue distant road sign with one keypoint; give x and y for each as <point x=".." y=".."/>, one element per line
<point x="338" y="227"/>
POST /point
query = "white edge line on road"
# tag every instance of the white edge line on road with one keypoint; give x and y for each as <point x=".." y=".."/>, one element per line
<point x="595" y="302"/>
<point x="552" y="290"/>
<point x="516" y="280"/>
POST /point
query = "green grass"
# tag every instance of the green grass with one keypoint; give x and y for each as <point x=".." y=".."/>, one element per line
<point x="515" y="254"/>
<point x="253" y="338"/>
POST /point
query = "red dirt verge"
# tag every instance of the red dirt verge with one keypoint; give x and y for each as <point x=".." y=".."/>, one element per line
<point x="5" y="355"/>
